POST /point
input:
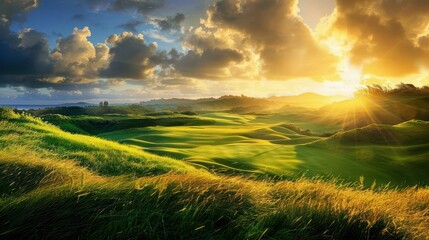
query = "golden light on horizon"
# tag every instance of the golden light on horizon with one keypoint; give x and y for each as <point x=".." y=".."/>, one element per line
<point x="351" y="77"/>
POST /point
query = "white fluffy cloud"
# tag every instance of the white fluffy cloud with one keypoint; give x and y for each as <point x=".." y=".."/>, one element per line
<point x="76" y="57"/>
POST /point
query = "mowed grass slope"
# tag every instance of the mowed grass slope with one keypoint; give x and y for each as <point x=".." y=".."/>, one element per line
<point x="63" y="188"/>
<point x="398" y="154"/>
<point x="270" y="145"/>
<point x="233" y="144"/>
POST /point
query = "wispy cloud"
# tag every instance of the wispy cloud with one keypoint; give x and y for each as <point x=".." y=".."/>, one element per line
<point x="157" y="35"/>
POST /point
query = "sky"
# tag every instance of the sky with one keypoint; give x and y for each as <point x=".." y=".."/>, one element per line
<point x="125" y="51"/>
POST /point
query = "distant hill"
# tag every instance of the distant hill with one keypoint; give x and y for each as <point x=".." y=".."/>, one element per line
<point x="308" y="100"/>
<point x="366" y="110"/>
<point x="78" y="104"/>
<point x="224" y="103"/>
<point x="379" y="105"/>
<point x="243" y="104"/>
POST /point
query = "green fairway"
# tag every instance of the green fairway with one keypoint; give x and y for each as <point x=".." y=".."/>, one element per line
<point x="269" y="145"/>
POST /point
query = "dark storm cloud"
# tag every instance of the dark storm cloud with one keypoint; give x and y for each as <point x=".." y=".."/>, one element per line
<point x="24" y="53"/>
<point x="170" y="23"/>
<point x="131" y="26"/>
<point x="27" y="61"/>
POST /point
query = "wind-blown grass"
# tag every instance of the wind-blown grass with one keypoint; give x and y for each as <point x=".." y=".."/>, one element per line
<point x="57" y="185"/>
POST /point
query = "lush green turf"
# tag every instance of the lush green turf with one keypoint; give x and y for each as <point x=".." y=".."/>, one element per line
<point x="269" y="145"/>
<point x="25" y="136"/>
<point x="108" y="123"/>
<point x="58" y="185"/>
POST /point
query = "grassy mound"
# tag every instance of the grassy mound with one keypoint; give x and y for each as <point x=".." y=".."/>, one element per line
<point x="407" y="133"/>
<point x="24" y="134"/>
<point x="395" y="154"/>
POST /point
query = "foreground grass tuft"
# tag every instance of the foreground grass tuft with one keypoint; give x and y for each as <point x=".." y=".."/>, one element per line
<point x="205" y="207"/>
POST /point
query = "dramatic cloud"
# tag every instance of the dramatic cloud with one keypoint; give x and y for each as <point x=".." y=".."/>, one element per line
<point x="285" y="44"/>
<point x="76" y="57"/>
<point x="210" y="64"/>
<point x="172" y="23"/>
<point x="217" y="55"/>
<point x="254" y="39"/>
<point x="24" y="53"/>
<point x="241" y="41"/>
<point x="387" y="38"/>
<point x="131" y="57"/>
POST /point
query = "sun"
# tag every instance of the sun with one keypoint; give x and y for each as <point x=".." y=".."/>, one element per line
<point x="351" y="77"/>
<point x="349" y="82"/>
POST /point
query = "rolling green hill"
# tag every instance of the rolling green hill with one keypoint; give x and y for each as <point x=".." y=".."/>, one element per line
<point x="55" y="184"/>
<point x="267" y="146"/>
<point x="23" y="135"/>
<point x="377" y="109"/>
<point x="384" y="153"/>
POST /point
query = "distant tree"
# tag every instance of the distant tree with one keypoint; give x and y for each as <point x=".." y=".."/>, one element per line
<point x="101" y="103"/>
<point x="106" y="103"/>
<point x="372" y="90"/>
